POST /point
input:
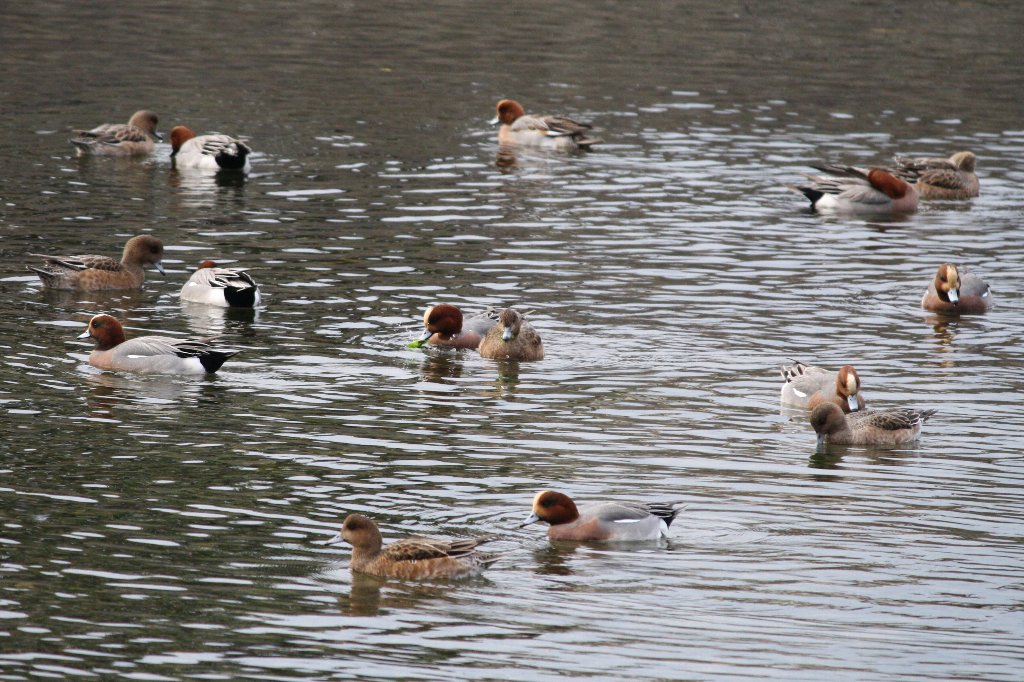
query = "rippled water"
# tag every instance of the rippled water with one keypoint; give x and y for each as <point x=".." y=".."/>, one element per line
<point x="157" y="528"/>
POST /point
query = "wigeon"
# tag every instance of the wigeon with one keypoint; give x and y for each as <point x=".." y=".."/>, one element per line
<point x="551" y="132"/>
<point x="951" y="178"/>
<point x="855" y="190"/>
<point x="807" y="386"/>
<point x="602" y="521"/>
<point x="210" y="152"/>
<point x="226" y="287"/>
<point x="119" y="139"/>
<point x="955" y="291"/>
<point x="867" y="427"/>
<point x="149" y="354"/>
<point x="444" y="326"/>
<point x="93" y="273"/>
<point x="512" y="338"/>
<point x="411" y="558"/>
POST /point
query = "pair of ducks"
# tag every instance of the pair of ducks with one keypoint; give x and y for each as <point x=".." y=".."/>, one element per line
<point x="209" y="284"/>
<point x="430" y="559"/>
<point x="837" y="408"/>
<point x="138" y="137"/>
<point x="891" y="190"/>
<point x="498" y="335"/>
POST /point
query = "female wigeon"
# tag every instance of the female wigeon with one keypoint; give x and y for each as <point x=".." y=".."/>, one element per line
<point x="551" y="132"/>
<point x="149" y="354"/>
<point x="226" y="287"/>
<point x="93" y="273"/>
<point x="411" y="558"/>
<point x="513" y="338"/>
<point x="445" y="326"/>
<point x="209" y="152"/>
<point x="807" y="386"/>
<point x="951" y="178"/>
<point x="119" y="139"/>
<point x="867" y="427"/>
<point x="602" y="521"/>
<point x="955" y="291"/>
<point x="854" y="190"/>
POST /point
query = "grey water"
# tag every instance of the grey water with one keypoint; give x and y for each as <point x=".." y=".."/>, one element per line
<point x="156" y="528"/>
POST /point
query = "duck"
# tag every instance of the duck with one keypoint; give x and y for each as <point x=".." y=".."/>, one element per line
<point x="847" y="189"/>
<point x="550" y="132"/>
<point x="94" y="273"/>
<point x="512" y="338"/>
<point x="445" y="326"/>
<point x="225" y="287"/>
<point x="602" y="521"/>
<point x="135" y="138"/>
<point x="808" y="386"/>
<point x="149" y="354"/>
<point x="213" y="152"/>
<point x="411" y="558"/>
<point x="934" y="178"/>
<point x="867" y="427"/>
<point x="954" y="291"/>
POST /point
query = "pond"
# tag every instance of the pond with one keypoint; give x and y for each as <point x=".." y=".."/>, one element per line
<point x="173" y="528"/>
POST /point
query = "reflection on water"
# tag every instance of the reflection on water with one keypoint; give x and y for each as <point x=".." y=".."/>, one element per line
<point x="163" y="527"/>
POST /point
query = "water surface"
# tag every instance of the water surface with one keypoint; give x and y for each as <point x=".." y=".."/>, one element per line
<point x="162" y="528"/>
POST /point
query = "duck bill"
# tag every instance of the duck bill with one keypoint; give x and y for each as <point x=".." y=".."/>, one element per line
<point x="506" y="335"/>
<point x="334" y="540"/>
<point x="954" y="296"/>
<point x="160" y="268"/>
<point x="532" y="518"/>
<point x="494" y="121"/>
<point x="84" y="335"/>
<point x="821" y="442"/>
<point x="418" y="343"/>
<point x="851" y="401"/>
<point x="158" y="135"/>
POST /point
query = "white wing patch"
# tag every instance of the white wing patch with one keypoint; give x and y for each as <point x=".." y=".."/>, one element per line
<point x="799" y="394"/>
<point x="626" y="521"/>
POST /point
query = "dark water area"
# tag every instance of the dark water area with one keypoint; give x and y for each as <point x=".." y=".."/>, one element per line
<point x="171" y="528"/>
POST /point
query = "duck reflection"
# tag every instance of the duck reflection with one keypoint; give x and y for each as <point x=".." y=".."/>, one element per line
<point x="152" y="395"/>
<point x="554" y="559"/>
<point x="202" y="189"/>
<point x="371" y="596"/>
<point x="440" y="365"/>
<point x="210" y="320"/>
<point x="100" y="301"/>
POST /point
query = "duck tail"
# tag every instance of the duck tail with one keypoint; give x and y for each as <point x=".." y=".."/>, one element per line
<point x="213" y="359"/>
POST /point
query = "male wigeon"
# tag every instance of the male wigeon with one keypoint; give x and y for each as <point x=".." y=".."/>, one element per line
<point x="951" y="178"/>
<point x="209" y="152"/>
<point x="867" y="427"/>
<point x="444" y="325"/>
<point x="103" y="272"/>
<point x="410" y="558"/>
<point x="119" y="139"/>
<point x="149" y="354"/>
<point x="855" y="190"/>
<point x="551" y="132"/>
<point x="602" y="521"/>
<point x="808" y="386"/>
<point x="513" y="338"/>
<point x="954" y="291"/>
<point x="226" y="287"/>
